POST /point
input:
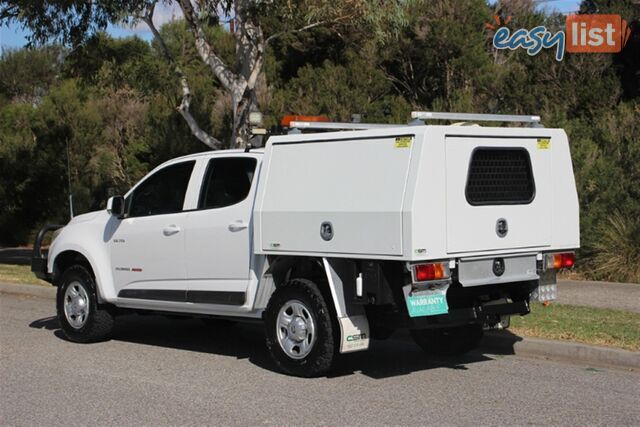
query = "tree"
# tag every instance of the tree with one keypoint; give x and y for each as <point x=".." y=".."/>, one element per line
<point x="440" y="55"/>
<point x="25" y="76"/>
<point x="72" y="21"/>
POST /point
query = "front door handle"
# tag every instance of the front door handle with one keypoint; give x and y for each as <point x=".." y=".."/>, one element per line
<point x="237" y="226"/>
<point x="170" y="230"/>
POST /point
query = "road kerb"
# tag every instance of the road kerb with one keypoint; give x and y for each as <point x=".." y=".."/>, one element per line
<point x="503" y="342"/>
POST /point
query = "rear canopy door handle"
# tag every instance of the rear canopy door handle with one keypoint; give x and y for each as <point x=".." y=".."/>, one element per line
<point x="237" y="226"/>
<point x="170" y="230"/>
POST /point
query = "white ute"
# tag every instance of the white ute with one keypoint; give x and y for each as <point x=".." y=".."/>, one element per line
<point x="333" y="237"/>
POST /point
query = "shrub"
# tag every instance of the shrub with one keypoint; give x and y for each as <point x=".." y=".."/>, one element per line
<point x="616" y="254"/>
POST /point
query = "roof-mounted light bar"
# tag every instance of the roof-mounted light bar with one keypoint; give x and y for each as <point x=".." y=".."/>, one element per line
<point x="465" y="117"/>
<point x="340" y="126"/>
<point x="533" y="121"/>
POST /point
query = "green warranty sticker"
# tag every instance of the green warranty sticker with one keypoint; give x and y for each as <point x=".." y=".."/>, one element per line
<point x="427" y="305"/>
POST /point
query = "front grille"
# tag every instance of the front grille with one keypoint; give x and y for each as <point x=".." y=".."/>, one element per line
<point x="500" y="176"/>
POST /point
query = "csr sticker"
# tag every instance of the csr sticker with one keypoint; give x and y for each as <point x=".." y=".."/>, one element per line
<point x="403" y="142"/>
<point x="356" y="337"/>
<point x="544" y="143"/>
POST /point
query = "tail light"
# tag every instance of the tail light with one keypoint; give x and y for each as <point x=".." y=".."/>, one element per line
<point x="562" y="260"/>
<point x="431" y="271"/>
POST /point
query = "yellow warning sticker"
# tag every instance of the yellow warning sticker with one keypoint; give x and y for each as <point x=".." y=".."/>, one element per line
<point x="403" y="142"/>
<point x="544" y="143"/>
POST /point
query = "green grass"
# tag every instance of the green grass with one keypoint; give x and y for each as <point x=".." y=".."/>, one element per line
<point x="19" y="274"/>
<point x="598" y="326"/>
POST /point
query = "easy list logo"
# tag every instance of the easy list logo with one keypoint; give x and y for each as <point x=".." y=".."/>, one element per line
<point x="584" y="34"/>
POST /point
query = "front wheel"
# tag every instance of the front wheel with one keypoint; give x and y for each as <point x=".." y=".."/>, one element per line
<point x="452" y="341"/>
<point x="299" y="329"/>
<point x="80" y="317"/>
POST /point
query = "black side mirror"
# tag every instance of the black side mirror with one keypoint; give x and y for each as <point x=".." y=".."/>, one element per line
<point x="115" y="206"/>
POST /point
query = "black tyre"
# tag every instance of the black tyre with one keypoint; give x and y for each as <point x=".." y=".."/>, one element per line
<point x="448" y="341"/>
<point x="80" y="317"/>
<point x="300" y="329"/>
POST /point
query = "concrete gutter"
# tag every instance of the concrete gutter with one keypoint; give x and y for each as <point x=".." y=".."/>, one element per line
<point x="494" y="342"/>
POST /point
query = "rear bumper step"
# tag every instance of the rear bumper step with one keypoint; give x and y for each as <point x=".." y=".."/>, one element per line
<point x="458" y="316"/>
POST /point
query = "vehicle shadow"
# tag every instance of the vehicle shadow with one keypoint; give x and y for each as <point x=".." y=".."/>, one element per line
<point x="390" y="358"/>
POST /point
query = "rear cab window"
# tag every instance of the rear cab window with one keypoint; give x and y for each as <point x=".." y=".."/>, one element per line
<point x="227" y="181"/>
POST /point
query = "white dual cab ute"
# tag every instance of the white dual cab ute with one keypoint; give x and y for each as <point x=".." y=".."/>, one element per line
<point x="332" y="237"/>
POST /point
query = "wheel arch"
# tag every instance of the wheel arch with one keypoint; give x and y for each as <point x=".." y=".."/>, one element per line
<point x="332" y="275"/>
<point x="64" y="257"/>
<point x="283" y="268"/>
<point x="86" y="240"/>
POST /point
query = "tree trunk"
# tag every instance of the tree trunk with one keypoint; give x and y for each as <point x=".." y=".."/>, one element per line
<point x="241" y="82"/>
<point x="249" y="60"/>
<point x="243" y="105"/>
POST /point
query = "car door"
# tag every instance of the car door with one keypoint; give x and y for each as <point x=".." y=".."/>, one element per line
<point x="218" y="240"/>
<point x="147" y="248"/>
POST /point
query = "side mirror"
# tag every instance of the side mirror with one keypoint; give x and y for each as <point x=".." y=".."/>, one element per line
<point x="115" y="206"/>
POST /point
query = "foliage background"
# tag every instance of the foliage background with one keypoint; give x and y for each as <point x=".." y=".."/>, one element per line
<point x="110" y="104"/>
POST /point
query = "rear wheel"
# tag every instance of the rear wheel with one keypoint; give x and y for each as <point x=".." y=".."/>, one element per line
<point x="448" y="341"/>
<point x="80" y="317"/>
<point x="299" y="329"/>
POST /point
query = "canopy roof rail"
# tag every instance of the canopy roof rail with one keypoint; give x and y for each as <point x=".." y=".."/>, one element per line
<point x="429" y="115"/>
<point x="340" y="126"/>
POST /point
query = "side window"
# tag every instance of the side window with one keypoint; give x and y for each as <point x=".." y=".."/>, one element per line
<point x="163" y="192"/>
<point x="227" y="182"/>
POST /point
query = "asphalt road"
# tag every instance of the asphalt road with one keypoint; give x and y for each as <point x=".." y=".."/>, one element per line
<point x="161" y="371"/>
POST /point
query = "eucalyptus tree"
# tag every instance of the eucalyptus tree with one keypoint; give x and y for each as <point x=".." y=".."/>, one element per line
<point x="71" y="22"/>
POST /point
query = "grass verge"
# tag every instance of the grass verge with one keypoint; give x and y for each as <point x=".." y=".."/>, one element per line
<point x="598" y="326"/>
<point x="19" y="274"/>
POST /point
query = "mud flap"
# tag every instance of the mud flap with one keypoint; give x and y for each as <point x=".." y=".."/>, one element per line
<point x="354" y="331"/>
<point x="354" y="326"/>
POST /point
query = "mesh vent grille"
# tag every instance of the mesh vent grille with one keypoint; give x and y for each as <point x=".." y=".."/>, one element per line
<point x="500" y="176"/>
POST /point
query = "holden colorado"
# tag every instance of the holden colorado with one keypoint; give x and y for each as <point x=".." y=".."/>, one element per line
<point x="332" y="235"/>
